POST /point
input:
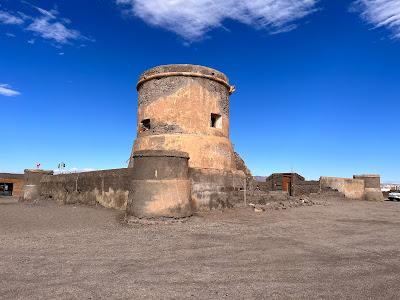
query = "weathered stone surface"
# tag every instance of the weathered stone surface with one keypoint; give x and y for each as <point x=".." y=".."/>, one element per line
<point x="178" y="108"/>
<point x="213" y="189"/>
<point x="351" y="188"/>
<point x="373" y="194"/>
<point x="372" y="183"/>
<point x="186" y="108"/>
<point x="32" y="184"/>
<point x="109" y="188"/>
<point x="160" y="198"/>
<point x="208" y="152"/>
<point x="160" y="185"/>
<point x="305" y="187"/>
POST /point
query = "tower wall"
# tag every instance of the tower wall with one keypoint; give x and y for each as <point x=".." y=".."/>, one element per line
<point x="186" y="108"/>
<point x="160" y="185"/>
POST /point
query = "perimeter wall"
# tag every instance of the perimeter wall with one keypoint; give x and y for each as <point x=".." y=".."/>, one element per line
<point x="351" y="188"/>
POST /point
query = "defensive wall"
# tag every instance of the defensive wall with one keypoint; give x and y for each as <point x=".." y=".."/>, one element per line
<point x="351" y="188"/>
<point x="372" y="184"/>
<point x="109" y="188"/>
<point x="365" y="187"/>
<point x="33" y="184"/>
<point x="306" y="187"/>
<point x="182" y="159"/>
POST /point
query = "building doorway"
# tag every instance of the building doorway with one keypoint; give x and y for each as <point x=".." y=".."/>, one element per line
<point x="287" y="184"/>
<point x="6" y="189"/>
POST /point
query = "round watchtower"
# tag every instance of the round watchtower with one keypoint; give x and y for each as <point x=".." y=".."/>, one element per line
<point x="186" y="108"/>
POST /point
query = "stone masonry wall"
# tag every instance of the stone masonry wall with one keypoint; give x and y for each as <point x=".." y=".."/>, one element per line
<point x="305" y="188"/>
<point x="351" y="188"/>
<point x="212" y="189"/>
<point x="109" y="188"/>
<point x="188" y="113"/>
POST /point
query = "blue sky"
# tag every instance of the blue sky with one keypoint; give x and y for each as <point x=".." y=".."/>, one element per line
<point x="318" y="82"/>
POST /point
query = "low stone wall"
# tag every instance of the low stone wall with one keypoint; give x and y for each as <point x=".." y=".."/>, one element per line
<point x="109" y="188"/>
<point x="262" y="186"/>
<point x="210" y="188"/>
<point x="32" y="184"/>
<point x="351" y="188"/>
<point x="213" y="188"/>
<point x="372" y="184"/>
<point x="262" y="197"/>
<point x="301" y="188"/>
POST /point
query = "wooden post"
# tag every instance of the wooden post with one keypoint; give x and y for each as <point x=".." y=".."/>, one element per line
<point x="244" y="191"/>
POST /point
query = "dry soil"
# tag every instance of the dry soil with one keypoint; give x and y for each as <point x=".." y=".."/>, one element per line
<point x="344" y="249"/>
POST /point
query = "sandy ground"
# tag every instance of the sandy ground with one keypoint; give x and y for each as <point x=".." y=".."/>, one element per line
<point x="345" y="249"/>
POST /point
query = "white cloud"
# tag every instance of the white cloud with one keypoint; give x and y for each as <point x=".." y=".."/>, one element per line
<point x="6" y="90"/>
<point x="9" y="19"/>
<point x="46" y="24"/>
<point x="49" y="27"/>
<point x="192" y="19"/>
<point x="381" y="13"/>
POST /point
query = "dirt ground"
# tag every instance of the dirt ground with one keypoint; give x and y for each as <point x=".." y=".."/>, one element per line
<point x="344" y="249"/>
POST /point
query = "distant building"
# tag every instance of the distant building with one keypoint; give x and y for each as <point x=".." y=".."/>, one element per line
<point x="292" y="183"/>
<point x="11" y="184"/>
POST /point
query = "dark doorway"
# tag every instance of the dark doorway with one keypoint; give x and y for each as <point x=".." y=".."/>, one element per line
<point x="6" y="189"/>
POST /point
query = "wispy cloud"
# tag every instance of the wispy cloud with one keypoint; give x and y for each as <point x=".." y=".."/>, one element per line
<point x="380" y="13"/>
<point x="192" y="19"/>
<point x="6" y="90"/>
<point x="10" y="19"/>
<point x="47" y="24"/>
<point x="50" y="27"/>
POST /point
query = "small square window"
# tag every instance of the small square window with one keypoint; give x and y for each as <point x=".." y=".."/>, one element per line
<point x="145" y="125"/>
<point x="216" y="121"/>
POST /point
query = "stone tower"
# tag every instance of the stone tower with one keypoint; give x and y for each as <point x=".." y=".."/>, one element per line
<point x="186" y="108"/>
